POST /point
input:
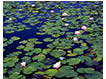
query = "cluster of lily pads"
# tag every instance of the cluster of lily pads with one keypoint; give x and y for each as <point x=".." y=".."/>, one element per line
<point x="6" y="41"/>
<point x="72" y="50"/>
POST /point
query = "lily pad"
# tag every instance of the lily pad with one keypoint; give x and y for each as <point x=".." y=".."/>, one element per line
<point x="96" y="75"/>
<point x="85" y="70"/>
<point x="57" y="53"/>
<point x="20" y="47"/>
<point x="78" y="51"/>
<point x="47" y="40"/>
<point x="73" y="61"/>
<point x="15" y="38"/>
<point x="66" y="71"/>
<point x="16" y="75"/>
<point x="10" y="61"/>
<point x="51" y="72"/>
<point x="39" y="57"/>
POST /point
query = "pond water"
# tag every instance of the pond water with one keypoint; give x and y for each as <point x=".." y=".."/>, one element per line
<point x="34" y="33"/>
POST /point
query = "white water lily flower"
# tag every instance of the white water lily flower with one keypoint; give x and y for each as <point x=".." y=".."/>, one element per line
<point x="64" y="14"/>
<point x="91" y="18"/>
<point x="66" y="24"/>
<point x="23" y="64"/>
<point x="33" y="5"/>
<point x="10" y="19"/>
<point x="77" y="32"/>
<point x="57" y="65"/>
<point x="75" y="39"/>
<point x="62" y="18"/>
<point x="20" y="9"/>
<point x="51" y="11"/>
<point x="84" y="28"/>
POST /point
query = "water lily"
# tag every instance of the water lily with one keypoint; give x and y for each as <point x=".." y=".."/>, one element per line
<point x="57" y="65"/>
<point x="20" y="9"/>
<point x="84" y="28"/>
<point x="33" y="5"/>
<point x="66" y="24"/>
<point x="77" y="32"/>
<point x="64" y="14"/>
<point x="10" y="19"/>
<point x="23" y="64"/>
<point x="62" y="18"/>
<point x="52" y="11"/>
<point x="91" y="18"/>
<point x="75" y="39"/>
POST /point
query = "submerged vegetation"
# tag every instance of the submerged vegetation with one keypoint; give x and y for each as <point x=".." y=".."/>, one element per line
<point x="53" y="40"/>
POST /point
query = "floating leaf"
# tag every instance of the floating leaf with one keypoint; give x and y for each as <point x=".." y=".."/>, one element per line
<point x="47" y="40"/>
<point x="39" y="57"/>
<point x="57" y="53"/>
<point x="65" y="71"/>
<point x="51" y="72"/>
<point x="16" y="75"/>
<point x="20" y="47"/>
<point x="85" y="70"/>
<point x="78" y="51"/>
<point x="10" y="62"/>
<point x="96" y="75"/>
<point x="73" y="61"/>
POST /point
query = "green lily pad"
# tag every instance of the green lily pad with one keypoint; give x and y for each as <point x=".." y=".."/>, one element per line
<point x="10" y="62"/>
<point x="79" y="77"/>
<point x="46" y="51"/>
<point x="73" y="61"/>
<point x="84" y="58"/>
<point x="57" y="53"/>
<point x="23" y="42"/>
<point x="15" y="38"/>
<point x="66" y="71"/>
<point x="29" y="70"/>
<point x="47" y="40"/>
<point x="85" y="70"/>
<point x="51" y="72"/>
<point x="20" y="47"/>
<point x="78" y="51"/>
<point x="39" y="57"/>
<point x="5" y="39"/>
<point x="26" y="59"/>
<point x="14" y="54"/>
<point x="16" y="75"/>
<point x="17" y="68"/>
<point x="96" y="75"/>
<point x="37" y="50"/>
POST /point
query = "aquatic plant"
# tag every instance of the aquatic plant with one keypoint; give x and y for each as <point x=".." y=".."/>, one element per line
<point x="77" y="33"/>
<point x="23" y="64"/>
<point x="48" y="40"/>
<point x="53" y="39"/>
<point x="39" y="57"/>
<point x="7" y="42"/>
<point x="11" y="28"/>
<point x="75" y="39"/>
<point x="16" y="75"/>
<point x="10" y="61"/>
<point x="85" y="70"/>
<point x="57" y="65"/>
<point x="73" y="61"/>
<point x="57" y="53"/>
<point x="66" y="71"/>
